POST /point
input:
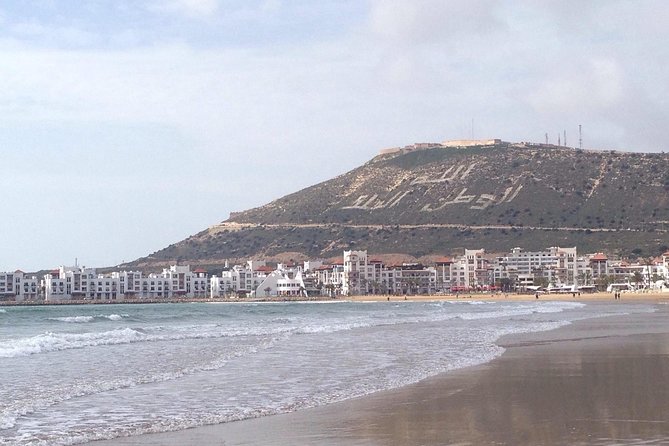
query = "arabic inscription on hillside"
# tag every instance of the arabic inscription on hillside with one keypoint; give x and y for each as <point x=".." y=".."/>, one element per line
<point x="455" y="175"/>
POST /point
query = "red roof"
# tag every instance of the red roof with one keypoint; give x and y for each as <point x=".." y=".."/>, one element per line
<point x="199" y="270"/>
<point x="666" y="254"/>
<point x="265" y="269"/>
<point x="18" y="271"/>
<point x="599" y="257"/>
<point x="443" y="260"/>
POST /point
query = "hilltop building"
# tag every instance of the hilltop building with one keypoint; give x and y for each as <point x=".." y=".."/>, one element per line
<point x="455" y="143"/>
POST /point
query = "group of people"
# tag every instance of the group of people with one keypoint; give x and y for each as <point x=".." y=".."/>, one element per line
<point x="616" y="294"/>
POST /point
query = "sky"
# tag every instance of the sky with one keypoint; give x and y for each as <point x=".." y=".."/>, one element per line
<point x="128" y="125"/>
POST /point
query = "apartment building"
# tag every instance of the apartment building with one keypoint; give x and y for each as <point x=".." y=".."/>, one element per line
<point x="558" y="266"/>
<point x="81" y="283"/>
<point x="17" y="286"/>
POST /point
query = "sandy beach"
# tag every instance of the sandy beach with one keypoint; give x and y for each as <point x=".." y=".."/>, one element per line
<point x="650" y="296"/>
<point x="597" y="381"/>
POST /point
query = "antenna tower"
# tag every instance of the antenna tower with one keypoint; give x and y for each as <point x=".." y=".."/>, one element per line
<point x="580" y="138"/>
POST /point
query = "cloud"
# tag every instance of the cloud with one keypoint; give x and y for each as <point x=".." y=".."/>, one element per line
<point x="431" y="21"/>
<point x="593" y="86"/>
<point x="54" y="35"/>
<point x="190" y="8"/>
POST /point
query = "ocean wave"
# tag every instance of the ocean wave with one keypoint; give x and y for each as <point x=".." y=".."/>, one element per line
<point x="83" y="319"/>
<point x="332" y="328"/>
<point x="65" y="392"/>
<point x="2" y="310"/>
<point x="52" y="342"/>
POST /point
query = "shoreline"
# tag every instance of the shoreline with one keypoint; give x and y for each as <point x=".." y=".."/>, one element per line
<point x="570" y="385"/>
<point x="656" y="296"/>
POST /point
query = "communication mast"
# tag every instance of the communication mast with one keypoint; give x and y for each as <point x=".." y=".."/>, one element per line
<point x="580" y="138"/>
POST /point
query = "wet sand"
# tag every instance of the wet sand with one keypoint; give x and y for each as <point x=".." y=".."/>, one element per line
<point x="596" y="382"/>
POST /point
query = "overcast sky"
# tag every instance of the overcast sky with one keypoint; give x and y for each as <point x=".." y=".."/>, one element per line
<point x="128" y="125"/>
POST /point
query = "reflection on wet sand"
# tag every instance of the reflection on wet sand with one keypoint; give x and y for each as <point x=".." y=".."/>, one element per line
<point x="592" y="390"/>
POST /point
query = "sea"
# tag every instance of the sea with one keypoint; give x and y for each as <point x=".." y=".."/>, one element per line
<point x="72" y="374"/>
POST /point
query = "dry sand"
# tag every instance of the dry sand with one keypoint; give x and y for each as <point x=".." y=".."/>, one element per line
<point x="585" y="297"/>
<point x="599" y="381"/>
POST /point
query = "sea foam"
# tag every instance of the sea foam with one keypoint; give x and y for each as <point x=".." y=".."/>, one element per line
<point x="81" y="319"/>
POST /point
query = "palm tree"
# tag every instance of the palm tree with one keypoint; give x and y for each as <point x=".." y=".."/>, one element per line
<point x="585" y="277"/>
<point x="363" y="286"/>
<point x="637" y="278"/>
<point x="648" y="263"/>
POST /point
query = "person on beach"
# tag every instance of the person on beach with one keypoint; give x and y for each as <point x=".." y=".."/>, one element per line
<point x="536" y="295"/>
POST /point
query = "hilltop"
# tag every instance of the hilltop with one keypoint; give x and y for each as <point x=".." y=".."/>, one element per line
<point x="430" y="199"/>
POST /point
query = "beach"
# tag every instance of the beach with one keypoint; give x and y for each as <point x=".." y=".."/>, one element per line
<point x="643" y="296"/>
<point x="594" y="381"/>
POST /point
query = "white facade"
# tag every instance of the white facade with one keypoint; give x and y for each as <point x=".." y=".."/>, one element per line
<point x="559" y="266"/>
<point x="355" y="272"/>
<point x="18" y="287"/>
<point x="235" y="281"/>
<point x="80" y="283"/>
<point x="282" y="282"/>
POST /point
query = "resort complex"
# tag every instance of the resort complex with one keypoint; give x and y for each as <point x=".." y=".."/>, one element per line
<point x="555" y="269"/>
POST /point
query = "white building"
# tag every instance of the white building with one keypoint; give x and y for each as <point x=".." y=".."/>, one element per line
<point x="80" y="283"/>
<point x="18" y="287"/>
<point x="355" y="272"/>
<point x="237" y="280"/>
<point x="559" y="266"/>
<point x="282" y="282"/>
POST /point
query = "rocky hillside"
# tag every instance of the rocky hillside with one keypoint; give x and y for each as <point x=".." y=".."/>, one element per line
<point x="438" y="200"/>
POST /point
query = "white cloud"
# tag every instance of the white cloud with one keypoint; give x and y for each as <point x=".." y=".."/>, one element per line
<point x="190" y="8"/>
<point x="271" y="6"/>
<point x="592" y="86"/>
<point x="412" y="70"/>
<point x="430" y="21"/>
<point x="54" y="35"/>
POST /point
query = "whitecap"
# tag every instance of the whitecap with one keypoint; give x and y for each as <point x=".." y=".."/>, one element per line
<point x="73" y="319"/>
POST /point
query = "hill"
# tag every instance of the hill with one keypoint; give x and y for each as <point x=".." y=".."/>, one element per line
<point x="421" y="201"/>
